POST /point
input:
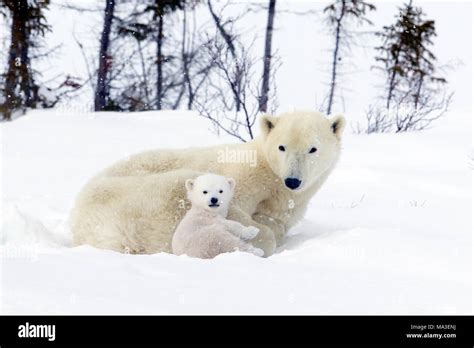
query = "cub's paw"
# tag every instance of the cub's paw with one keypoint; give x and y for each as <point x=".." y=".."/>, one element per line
<point x="256" y="251"/>
<point x="249" y="232"/>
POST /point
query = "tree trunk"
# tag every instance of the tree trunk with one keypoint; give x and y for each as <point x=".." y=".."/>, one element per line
<point x="263" y="100"/>
<point x="18" y="73"/>
<point x="418" y="91"/>
<point x="159" y="62"/>
<point x="336" y="56"/>
<point x="391" y="87"/>
<point x="185" y="58"/>
<point x="145" y="79"/>
<point x="102" y="89"/>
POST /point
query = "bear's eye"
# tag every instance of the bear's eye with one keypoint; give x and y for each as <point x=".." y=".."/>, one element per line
<point x="313" y="150"/>
<point x="281" y="148"/>
<point x="205" y="192"/>
<point x="221" y="191"/>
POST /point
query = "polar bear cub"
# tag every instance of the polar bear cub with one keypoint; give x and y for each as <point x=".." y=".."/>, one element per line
<point x="204" y="231"/>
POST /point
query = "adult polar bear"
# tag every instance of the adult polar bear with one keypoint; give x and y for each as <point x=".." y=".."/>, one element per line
<point x="135" y="205"/>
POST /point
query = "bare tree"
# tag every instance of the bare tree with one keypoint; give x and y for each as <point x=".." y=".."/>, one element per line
<point x="231" y="99"/>
<point x="404" y="116"/>
<point x="144" y="71"/>
<point x="196" y="65"/>
<point x="154" y="28"/>
<point x="229" y="41"/>
<point x="102" y="87"/>
<point x="429" y="108"/>
<point x="159" y="57"/>
<point x="186" y="61"/>
<point x="160" y="8"/>
<point x="263" y="99"/>
<point x="340" y="14"/>
<point x="377" y="120"/>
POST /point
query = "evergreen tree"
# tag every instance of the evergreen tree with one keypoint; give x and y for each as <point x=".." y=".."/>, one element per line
<point x="147" y="23"/>
<point x="422" y="59"/>
<point x="405" y="54"/>
<point x="28" y="24"/>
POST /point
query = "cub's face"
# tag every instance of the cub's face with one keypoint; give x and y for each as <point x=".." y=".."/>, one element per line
<point x="301" y="146"/>
<point x="211" y="192"/>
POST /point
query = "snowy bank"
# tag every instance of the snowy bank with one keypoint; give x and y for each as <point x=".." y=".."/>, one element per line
<point x="389" y="233"/>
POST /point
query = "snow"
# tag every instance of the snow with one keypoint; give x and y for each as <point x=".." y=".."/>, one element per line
<point x="389" y="233"/>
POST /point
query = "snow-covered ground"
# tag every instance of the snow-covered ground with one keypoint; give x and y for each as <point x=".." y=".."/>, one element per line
<point x="389" y="233"/>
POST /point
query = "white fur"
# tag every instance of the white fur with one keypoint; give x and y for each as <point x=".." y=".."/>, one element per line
<point x="204" y="231"/>
<point x="136" y="204"/>
<point x="206" y="187"/>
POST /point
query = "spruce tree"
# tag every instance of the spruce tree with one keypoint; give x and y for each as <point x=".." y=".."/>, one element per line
<point x="28" y="25"/>
<point x="405" y="55"/>
<point x="147" y="23"/>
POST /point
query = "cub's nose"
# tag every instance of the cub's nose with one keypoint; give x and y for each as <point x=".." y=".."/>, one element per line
<point x="292" y="183"/>
<point x="214" y="200"/>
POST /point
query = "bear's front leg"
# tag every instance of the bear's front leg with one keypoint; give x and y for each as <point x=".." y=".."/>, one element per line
<point x="264" y="240"/>
<point x="277" y="226"/>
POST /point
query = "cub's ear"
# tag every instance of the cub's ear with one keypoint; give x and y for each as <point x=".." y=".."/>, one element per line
<point x="189" y="185"/>
<point x="267" y="123"/>
<point x="337" y="125"/>
<point x="231" y="182"/>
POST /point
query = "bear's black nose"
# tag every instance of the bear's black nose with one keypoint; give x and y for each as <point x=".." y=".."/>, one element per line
<point x="292" y="183"/>
<point x="214" y="200"/>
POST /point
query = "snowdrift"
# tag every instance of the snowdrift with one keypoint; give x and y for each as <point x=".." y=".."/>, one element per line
<point x="389" y="233"/>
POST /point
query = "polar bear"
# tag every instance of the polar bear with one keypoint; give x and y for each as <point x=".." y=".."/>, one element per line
<point x="204" y="231"/>
<point x="136" y="204"/>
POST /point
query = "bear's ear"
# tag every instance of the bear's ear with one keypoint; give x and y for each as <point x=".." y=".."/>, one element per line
<point x="189" y="184"/>
<point x="267" y="123"/>
<point x="337" y="125"/>
<point x="231" y="182"/>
